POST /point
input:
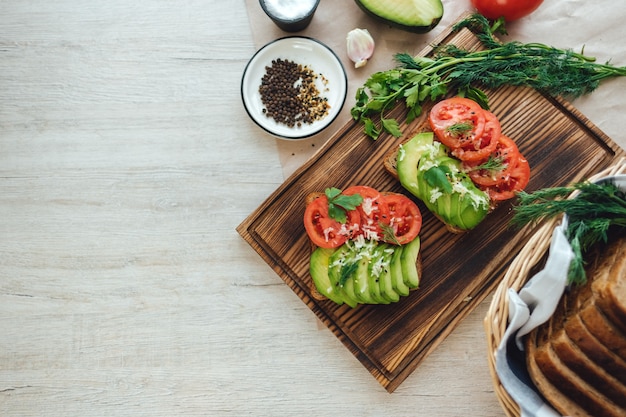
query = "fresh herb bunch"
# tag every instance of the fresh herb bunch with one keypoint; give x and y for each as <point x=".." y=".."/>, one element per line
<point x="556" y="71"/>
<point x="595" y="210"/>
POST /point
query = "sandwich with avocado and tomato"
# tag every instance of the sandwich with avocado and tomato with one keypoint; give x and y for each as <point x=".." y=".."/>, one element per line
<point x="461" y="168"/>
<point x="366" y="245"/>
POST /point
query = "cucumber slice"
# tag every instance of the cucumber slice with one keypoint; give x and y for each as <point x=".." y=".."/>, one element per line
<point x="418" y="16"/>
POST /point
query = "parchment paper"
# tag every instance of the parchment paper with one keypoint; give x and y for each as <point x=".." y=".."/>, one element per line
<point x="597" y="26"/>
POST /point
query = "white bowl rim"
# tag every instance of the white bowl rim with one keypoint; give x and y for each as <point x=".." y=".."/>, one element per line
<point x="317" y="126"/>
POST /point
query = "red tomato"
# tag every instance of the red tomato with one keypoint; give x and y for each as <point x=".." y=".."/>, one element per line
<point x="325" y="231"/>
<point x="373" y="211"/>
<point x="516" y="181"/>
<point x="405" y="218"/>
<point x="509" y="9"/>
<point x="508" y="154"/>
<point x="457" y="120"/>
<point x="479" y="148"/>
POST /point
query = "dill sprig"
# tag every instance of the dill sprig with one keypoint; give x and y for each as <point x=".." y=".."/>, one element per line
<point x="492" y="164"/>
<point x="594" y="210"/>
<point x="459" y="129"/>
<point x="558" y="72"/>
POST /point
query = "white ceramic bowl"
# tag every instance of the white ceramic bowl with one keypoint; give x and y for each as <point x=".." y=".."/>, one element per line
<point x="302" y="50"/>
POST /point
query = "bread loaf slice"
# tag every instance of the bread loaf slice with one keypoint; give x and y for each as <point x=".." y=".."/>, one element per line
<point x="579" y="354"/>
<point x="572" y="356"/>
<point x="603" y="329"/>
<point x="573" y="386"/>
<point x="595" y="350"/>
<point x="604" y="276"/>
<point x="611" y="293"/>
<point x="564" y="365"/>
<point x="576" y="360"/>
<point x="552" y="393"/>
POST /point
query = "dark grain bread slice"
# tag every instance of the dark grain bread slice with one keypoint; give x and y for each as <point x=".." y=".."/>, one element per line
<point x="551" y="392"/>
<point x="580" y="350"/>
<point x="563" y="364"/>
<point x="573" y="386"/>
<point x="576" y="360"/>
<point x="611" y="293"/>
<point x="553" y="336"/>
<point x="595" y="350"/>
<point x="603" y="329"/>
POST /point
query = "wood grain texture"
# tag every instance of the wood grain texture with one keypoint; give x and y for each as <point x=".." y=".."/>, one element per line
<point x="126" y="163"/>
<point x="561" y="145"/>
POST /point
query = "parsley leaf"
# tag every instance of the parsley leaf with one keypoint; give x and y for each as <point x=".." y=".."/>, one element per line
<point x="437" y="176"/>
<point x="339" y="204"/>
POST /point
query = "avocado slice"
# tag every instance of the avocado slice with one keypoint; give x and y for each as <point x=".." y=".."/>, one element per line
<point x="395" y="268"/>
<point x="417" y="16"/>
<point x="319" y="269"/>
<point x="362" y="282"/>
<point x="339" y="263"/>
<point x="385" y="280"/>
<point x="425" y="170"/>
<point x="376" y="270"/>
<point x="408" y="261"/>
<point x="408" y="158"/>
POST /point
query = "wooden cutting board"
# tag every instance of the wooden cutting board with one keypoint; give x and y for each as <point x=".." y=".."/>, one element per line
<point x="459" y="271"/>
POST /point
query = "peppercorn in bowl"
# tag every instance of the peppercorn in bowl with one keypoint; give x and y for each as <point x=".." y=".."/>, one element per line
<point x="294" y="87"/>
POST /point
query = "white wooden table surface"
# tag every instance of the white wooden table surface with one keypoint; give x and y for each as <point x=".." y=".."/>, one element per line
<point x="126" y="162"/>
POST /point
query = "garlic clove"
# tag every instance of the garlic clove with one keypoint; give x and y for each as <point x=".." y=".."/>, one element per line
<point x="360" y="46"/>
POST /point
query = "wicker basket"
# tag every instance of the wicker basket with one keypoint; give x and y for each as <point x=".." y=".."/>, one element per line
<point x="519" y="272"/>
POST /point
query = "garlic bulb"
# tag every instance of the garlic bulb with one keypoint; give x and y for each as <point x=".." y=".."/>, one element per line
<point x="360" y="46"/>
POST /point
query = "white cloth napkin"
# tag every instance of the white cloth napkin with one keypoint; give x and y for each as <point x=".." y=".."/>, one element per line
<point x="533" y="306"/>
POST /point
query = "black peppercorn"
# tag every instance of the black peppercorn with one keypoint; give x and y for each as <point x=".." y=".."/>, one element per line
<point x="290" y="95"/>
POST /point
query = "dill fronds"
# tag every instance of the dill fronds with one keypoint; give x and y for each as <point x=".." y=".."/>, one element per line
<point x="592" y="213"/>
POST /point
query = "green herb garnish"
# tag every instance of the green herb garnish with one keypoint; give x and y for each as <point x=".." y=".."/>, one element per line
<point x="492" y="164"/>
<point x="389" y="235"/>
<point x="459" y="129"/>
<point x="437" y="177"/>
<point x="558" y="72"/>
<point x="346" y="272"/>
<point x="591" y="214"/>
<point x="339" y="204"/>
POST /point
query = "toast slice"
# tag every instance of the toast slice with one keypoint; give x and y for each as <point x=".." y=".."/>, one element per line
<point x="390" y="164"/>
<point x="313" y="289"/>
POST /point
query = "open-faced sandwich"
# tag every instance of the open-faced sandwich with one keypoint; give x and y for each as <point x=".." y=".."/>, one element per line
<point x="366" y="245"/>
<point x="461" y="167"/>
